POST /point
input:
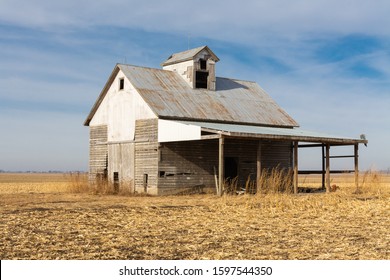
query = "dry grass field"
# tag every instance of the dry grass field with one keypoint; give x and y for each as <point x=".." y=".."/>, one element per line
<point x="51" y="216"/>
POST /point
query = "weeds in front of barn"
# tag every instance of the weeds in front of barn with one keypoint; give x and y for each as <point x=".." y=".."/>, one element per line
<point x="280" y="181"/>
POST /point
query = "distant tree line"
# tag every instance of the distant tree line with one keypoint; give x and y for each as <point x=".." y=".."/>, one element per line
<point x="50" y="171"/>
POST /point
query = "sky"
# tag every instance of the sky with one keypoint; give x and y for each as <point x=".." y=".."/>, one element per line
<point x="326" y="62"/>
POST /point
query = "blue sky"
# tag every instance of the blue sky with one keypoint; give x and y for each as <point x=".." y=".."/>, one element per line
<point x="327" y="63"/>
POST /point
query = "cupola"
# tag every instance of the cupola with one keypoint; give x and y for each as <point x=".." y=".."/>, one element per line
<point x="195" y="66"/>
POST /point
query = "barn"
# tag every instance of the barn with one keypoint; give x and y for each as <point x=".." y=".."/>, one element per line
<point x="180" y="128"/>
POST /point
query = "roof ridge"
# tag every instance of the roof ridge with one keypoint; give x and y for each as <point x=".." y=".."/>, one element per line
<point x="187" y="55"/>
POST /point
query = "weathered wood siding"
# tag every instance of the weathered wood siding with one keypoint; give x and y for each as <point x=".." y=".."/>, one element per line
<point x="121" y="160"/>
<point x="185" y="165"/>
<point x="276" y="154"/>
<point x="245" y="151"/>
<point x="146" y="156"/>
<point x="97" y="152"/>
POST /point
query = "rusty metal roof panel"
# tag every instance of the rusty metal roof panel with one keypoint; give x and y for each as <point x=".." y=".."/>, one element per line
<point x="233" y="101"/>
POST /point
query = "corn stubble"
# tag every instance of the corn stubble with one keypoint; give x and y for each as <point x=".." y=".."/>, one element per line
<point x="71" y="222"/>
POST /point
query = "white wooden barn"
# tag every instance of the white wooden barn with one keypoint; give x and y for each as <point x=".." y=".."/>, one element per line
<point x="170" y="130"/>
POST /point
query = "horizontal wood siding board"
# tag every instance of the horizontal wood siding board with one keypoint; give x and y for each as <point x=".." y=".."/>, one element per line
<point x="189" y="164"/>
<point x="146" y="154"/>
<point x="245" y="151"/>
<point x="97" y="151"/>
<point x="276" y="154"/>
<point x="146" y="130"/>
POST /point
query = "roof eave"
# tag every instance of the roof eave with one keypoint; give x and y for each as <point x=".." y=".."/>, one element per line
<point x="102" y="95"/>
<point x="173" y="118"/>
<point x="308" y="139"/>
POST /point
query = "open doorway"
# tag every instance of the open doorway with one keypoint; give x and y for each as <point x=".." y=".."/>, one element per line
<point x="231" y="168"/>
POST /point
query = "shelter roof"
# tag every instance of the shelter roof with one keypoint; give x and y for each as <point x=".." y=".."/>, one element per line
<point x="274" y="133"/>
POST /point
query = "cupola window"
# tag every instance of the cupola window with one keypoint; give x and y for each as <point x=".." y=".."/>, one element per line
<point x="202" y="64"/>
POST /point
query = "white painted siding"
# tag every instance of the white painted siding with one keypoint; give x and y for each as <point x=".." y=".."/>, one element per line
<point x="184" y="69"/>
<point x="169" y="131"/>
<point x="120" y="109"/>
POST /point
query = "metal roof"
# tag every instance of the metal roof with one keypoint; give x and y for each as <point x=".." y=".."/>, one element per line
<point x="233" y="101"/>
<point x="187" y="55"/>
<point x="274" y="133"/>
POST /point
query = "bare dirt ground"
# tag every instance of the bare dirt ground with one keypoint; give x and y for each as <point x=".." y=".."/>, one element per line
<point x="64" y="225"/>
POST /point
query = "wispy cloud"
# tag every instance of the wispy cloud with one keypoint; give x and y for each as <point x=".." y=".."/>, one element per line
<point x="326" y="62"/>
<point x="248" y="17"/>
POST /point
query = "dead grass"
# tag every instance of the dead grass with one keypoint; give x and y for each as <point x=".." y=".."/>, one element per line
<point x="78" y="182"/>
<point x="66" y="225"/>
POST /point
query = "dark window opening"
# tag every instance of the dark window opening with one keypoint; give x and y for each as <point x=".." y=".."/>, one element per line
<point x="145" y="182"/>
<point x="116" y="182"/>
<point x="201" y="79"/>
<point x="121" y="84"/>
<point x="164" y="174"/>
<point x="202" y="64"/>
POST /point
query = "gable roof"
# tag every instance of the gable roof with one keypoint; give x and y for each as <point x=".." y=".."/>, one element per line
<point x="187" y="55"/>
<point x="170" y="97"/>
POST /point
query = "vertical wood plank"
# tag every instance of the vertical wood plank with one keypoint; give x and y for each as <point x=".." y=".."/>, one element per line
<point x="323" y="166"/>
<point x="295" y="167"/>
<point x="258" y="165"/>
<point x="221" y="166"/>
<point x="327" y="167"/>
<point x="356" y="154"/>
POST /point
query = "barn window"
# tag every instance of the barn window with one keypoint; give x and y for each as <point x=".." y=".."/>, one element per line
<point x="202" y="64"/>
<point x="201" y="79"/>
<point x="121" y="83"/>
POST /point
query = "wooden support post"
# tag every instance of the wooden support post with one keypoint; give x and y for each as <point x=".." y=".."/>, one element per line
<point x="295" y="167"/>
<point x="216" y="180"/>
<point x="258" y="169"/>
<point x="356" y="154"/>
<point x="327" y="167"/>
<point x="221" y="167"/>
<point x="323" y="167"/>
